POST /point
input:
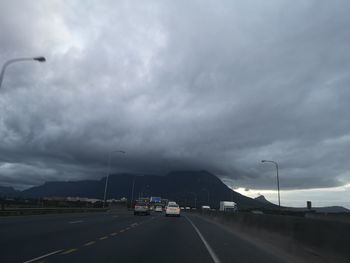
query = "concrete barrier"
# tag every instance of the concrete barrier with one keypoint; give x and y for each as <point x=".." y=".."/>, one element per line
<point x="327" y="235"/>
<point x="39" y="211"/>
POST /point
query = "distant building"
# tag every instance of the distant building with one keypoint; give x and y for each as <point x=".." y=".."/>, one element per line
<point x="121" y="200"/>
<point x="83" y="199"/>
<point x="55" y="198"/>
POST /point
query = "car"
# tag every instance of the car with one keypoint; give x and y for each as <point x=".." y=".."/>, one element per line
<point x="141" y="208"/>
<point x="205" y="207"/>
<point x="187" y="208"/>
<point x="172" y="210"/>
<point x="158" y="208"/>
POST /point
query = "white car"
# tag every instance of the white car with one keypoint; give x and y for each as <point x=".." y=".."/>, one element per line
<point x="205" y="207"/>
<point x="141" y="208"/>
<point x="158" y="208"/>
<point x="172" y="210"/>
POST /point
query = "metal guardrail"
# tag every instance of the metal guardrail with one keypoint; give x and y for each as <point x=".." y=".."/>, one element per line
<point x="40" y="211"/>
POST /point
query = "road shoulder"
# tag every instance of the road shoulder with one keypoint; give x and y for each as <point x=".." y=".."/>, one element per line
<point x="282" y="247"/>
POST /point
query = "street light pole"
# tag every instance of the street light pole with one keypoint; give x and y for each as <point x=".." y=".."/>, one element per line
<point x="278" y="180"/>
<point x="132" y="190"/>
<point x="108" y="172"/>
<point x="8" y="62"/>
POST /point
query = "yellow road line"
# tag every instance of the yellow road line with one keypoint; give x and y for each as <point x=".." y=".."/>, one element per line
<point x="69" y="251"/>
<point x="102" y="238"/>
<point x="89" y="243"/>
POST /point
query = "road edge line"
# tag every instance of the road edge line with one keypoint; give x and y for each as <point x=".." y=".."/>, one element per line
<point x="43" y="256"/>
<point x="206" y="244"/>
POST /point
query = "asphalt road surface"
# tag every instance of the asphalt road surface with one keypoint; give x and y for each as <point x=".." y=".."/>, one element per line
<point x="122" y="237"/>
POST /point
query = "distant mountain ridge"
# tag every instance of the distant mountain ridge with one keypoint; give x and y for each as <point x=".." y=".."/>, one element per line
<point x="262" y="199"/>
<point x="7" y="191"/>
<point x="186" y="187"/>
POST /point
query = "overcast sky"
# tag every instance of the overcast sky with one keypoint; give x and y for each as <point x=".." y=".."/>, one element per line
<point x="212" y="85"/>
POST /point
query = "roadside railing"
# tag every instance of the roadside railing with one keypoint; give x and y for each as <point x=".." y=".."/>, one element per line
<point x="40" y="211"/>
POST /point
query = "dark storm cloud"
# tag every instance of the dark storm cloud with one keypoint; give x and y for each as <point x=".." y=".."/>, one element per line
<point x="178" y="85"/>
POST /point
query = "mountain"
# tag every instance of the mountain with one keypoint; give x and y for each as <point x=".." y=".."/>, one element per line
<point x="6" y="191"/>
<point x="185" y="187"/>
<point x="262" y="199"/>
<point x="84" y="188"/>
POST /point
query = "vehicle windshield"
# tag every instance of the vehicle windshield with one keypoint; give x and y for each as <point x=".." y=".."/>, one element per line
<point x="174" y="131"/>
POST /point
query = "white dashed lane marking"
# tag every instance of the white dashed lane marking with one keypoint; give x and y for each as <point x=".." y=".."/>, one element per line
<point x="69" y="251"/>
<point x="76" y="222"/>
<point x="43" y="256"/>
<point x="89" y="243"/>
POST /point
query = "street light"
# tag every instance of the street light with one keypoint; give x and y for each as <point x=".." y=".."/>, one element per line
<point x="108" y="172"/>
<point x="11" y="61"/>
<point x="133" y="187"/>
<point x="278" y="180"/>
<point x="40" y="59"/>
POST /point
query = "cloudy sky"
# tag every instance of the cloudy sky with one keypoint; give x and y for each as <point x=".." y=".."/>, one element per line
<point x="214" y="85"/>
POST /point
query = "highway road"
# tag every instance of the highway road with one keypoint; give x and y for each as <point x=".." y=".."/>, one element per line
<point x="122" y="237"/>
